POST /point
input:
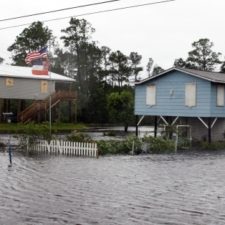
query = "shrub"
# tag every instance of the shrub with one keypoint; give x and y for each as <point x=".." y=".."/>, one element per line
<point x="159" y="145"/>
<point x="119" y="147"/>
<point x="32" y="132"/>
<point x="217" y="145"/>
<point x="112" y="147"/>
<point x="2" y="145"/>
<point x="78" y="137"/>
<point x="154" y="145"/>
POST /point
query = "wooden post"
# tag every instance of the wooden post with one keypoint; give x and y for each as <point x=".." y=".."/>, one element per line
<point x="70" y="110"/>
<point x="1" y="109"/>
<point x="58" y="108"/>
<point x="209" y="131"/>
<point x="155" y="127"/>
<point x="39" y="112"/>
<point x="136" y="122"/>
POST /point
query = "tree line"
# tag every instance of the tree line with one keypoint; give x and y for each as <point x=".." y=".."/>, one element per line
<point x="102" y="77"/>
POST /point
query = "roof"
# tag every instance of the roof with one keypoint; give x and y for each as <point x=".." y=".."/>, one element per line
<point x="214" y="77"/>
<point x="26" y="72"/>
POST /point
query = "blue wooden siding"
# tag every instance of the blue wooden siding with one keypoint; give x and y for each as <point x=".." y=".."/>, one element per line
<point x="174" y="105"/>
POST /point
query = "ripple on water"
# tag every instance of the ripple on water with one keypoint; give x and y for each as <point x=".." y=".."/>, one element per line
<point x="180" y="189"/>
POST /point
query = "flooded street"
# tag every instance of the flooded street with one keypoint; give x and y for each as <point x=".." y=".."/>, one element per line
<point x="182" y="189"/>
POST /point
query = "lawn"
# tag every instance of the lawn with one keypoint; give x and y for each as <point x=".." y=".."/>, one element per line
<point x="55" y="127"/>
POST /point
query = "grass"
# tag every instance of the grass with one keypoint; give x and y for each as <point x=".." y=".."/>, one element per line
<point x="15" y="128"/>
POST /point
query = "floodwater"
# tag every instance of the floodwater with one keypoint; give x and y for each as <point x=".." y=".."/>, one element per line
<point x="177" y="189"/>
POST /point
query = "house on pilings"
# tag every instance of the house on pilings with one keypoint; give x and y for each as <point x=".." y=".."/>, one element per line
<point x="25" y="97"/>
<point x="184" y="97"/>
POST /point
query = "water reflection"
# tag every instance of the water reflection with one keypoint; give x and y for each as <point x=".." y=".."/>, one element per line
<point x="152" y="189"/>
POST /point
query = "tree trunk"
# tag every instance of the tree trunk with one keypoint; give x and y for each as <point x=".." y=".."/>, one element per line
<point x="126" y="127"/>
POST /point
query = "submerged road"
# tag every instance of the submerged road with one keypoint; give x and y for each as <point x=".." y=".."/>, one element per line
<point x="179" y="189"/>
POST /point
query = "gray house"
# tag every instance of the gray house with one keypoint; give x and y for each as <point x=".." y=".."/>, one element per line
<point x="184" y="97"/>
<point x="18" y="84"/>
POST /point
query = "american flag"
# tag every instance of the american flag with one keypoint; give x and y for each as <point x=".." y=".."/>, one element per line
<point x="36" y="55"/>
<point x="40" y="66"/>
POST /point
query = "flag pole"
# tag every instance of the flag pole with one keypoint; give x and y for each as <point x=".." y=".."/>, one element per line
<point x="50" y="107"/>
<point x="50" y="99"/>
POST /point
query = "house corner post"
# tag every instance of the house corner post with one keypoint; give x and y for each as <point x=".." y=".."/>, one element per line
<point x="136" y="123"/>
<point x="209" y="131"/>
<point x="155" y="126"/>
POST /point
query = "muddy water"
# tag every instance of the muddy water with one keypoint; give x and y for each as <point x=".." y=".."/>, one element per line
<point x="180" y="189"/>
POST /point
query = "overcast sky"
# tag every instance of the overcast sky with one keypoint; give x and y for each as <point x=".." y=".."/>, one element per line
<point x="163" y="32"/>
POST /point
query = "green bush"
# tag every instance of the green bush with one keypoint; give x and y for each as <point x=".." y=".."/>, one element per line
<point x="154" y="145"/>
<point x="119" y="147"/>
<point x="78" y="137"/>
<point x="32" y="132"/>
<point x="217" y="145"/>
<point x="159" y="145"/>
<point x="111" y="133"/>
<point x="112" y="147"/>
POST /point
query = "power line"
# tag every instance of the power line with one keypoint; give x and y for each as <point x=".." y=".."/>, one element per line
<point x="91" y="13"/>
<point x="58" y="10"/>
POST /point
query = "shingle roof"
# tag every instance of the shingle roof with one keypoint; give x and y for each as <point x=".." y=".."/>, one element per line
<point x="210" y="76"/>
<point x="26" y="72"/>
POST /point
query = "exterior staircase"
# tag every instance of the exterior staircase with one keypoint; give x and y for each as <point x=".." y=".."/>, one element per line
<point x="42" y="106"/>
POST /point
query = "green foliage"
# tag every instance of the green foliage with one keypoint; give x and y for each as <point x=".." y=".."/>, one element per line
<point x="159" y="145"/>
<point x="183" y="143"/>
<point x="202" y="57"/>
<point x="32" y="38"/>
<point x="157" y="70"/>
<point x="96" y="70"/>
<point x="32" y="127"/>
<point x="154" y="145"/>
<point x="222" y="68"/>
<point x="121" y="107"/>
<point x="1" y="60"/>
<point x="33" y="132"/>
<point x="82" y="61"/>
<point x="78" y="137"/>
<point x="121" y="71"/>
<point x="111" y="133"/>
<point x="119" y="147"/>
<point x="169" y="131"/>
<point x="135" y="59"/>
<point x="112" y="147"/>
<point x="134" y="143"/>
<point x="149" y="66"/>
<point x="216" y="145"/>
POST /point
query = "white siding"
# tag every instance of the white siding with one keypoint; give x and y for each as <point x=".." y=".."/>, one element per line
<point x="190" y="94"/>
<point x="25" y="88"/>
<point x="151" y="95"/>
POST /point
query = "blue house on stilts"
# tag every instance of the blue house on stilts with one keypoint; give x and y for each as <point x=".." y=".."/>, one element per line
<point x="189" y="97"/>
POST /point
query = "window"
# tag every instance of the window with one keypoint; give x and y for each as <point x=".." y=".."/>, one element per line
<point x="220" y="95"/>
<point x="44" y="86"/>
<point x="151" y="95"/>
<point x="190" y="94"/>
<point x="9" y="82"/>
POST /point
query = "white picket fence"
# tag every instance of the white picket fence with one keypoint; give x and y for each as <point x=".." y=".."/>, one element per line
<point x="66" y="148"/>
